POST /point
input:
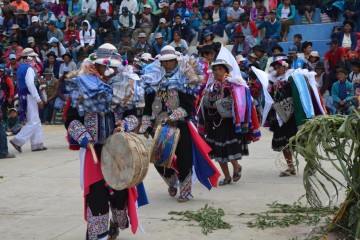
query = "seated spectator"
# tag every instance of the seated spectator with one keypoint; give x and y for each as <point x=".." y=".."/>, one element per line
<point x="306" y="49"/>
<point x="272" y="32"/>
<point x="179" y="43"/>
<point x="127" y="22"/>
<point x="13" y="64"/>
<point x="164" y="30"/>
<point x="36" y="8"/>
<point x="68" y="65"/>
<point x="88" y="10"/>
<point x="74" y="12"/>
<point x="285" y="13"/>
<point x="342" y="93"/>
<point x="14" y="48"/>
<point x="106" y="28"/>
<point x="208" y="39"/>
<point x="183" y="28"/>
<point x="333" y="8"/>
<point x="54" y="32"/>
<point x="165" y="13"/>
<point x="23" y="22"/>
<point x="352" y="12"/>
<point x="56" y="47"/>
<point x="249" y="29"/>
<point x="259" y="12"/>
<point x="252" y="58"/>
<point x="246" y="5"/>
<point x="347" y="38"/>
<point x="4" y="41"/>
<point x="13" y="122"/>
<point x="142" y="45"/>
<point x="261" y="57"/>
<point x="232" y="17"/>
<point x="87" y="39"/>
<point x="195" y="18"/>
<point x="45" y="49"/>
<point x="158" y="44"/>
<point x="32" y="45"/>
<point x="145" y="23"/>
<point x="297" y="41"/>
<point x="322" y="82"/>
<point x="104" y="5"/>
<point x="126" y="46"/>
<point x="240" y="46"/>
<point x="218" y="15"/>
<point x="132" y="5"/>
<point x="297" y="62"/>
<point x="152" y="4"/>
<point x="60" y="10"/>
<point x="37" y="31"/>
<point x="240" y="60"/>
<point x="336" y="55"/>
<point x="276" y="50"/>
<point x="206" y="22"/>
<point x="72" y="40"/>
<point x="16" y="34"/>
<point x="46" y="16"/>
<point x="53" y="64"/>
<point x="354" y="77"/>
<point x="20" y="4"/>
<point x="52" y="85"/>
<point x="306" y="8"/>
<point x="313" y="61"/>
<point x="179" y="8"/>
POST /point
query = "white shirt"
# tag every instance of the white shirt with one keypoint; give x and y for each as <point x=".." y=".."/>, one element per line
<point x="89" y="4"/>
<point x="216" y="16"/>
<point x="125" y="21"/>
<point x="131" y="5"/>
<point x="346" y="41"/>
<point x="285" y="12"/>
<point x="29" y="81"/>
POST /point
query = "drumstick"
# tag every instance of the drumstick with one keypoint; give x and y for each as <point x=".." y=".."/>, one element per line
<point x="93" y="153"/>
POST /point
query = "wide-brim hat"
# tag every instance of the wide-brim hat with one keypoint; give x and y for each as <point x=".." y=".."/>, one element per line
<point x="15" y="26"/>
<point x="207" y="33"/>
<point x="351" y="23"/>
<point x="147" y="57"/>
<point x="66" y="54"/>
<point x="104" y="53"/>
<point x="28" y="52"/>
<point x="314" y="54"/>
<point x="51" y="54"/>
<point x="278" y="59"/>
<point x="168" y="53"/>
<point x="239" y="58"/>
<point x="253" y="55"/>
<point x="221" y="62"/>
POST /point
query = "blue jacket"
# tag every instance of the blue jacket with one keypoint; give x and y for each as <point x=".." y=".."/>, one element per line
<point x="222" y="15"/>
<point x="291" y="15"/>
<point x="340" y="36"/>
<point x="349" y="90"/>
<point x="273" y="31"/>
<point x="21" y="73"/>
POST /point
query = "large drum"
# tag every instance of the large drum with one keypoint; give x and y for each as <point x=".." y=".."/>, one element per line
<point x="165" y="142"/>
<point x="124" y="160"/>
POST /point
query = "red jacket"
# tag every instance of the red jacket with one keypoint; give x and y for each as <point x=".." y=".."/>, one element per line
<point x="110" y="13"/>
<point x="253" y="28"/>
<point x="69" y="35"/>
<point x="8" y="86"/>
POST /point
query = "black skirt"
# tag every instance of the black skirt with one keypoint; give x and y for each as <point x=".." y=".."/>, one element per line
<point x="226" y="145"/>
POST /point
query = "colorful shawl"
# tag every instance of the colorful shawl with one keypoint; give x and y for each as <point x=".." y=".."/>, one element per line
<point x="241" y="107"/>
<point x="305" y="97"/>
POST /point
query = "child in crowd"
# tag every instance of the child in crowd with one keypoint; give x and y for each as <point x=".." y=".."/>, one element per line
<point x="206" y="20"/>
<point x="44" y="50"/>
<point x="314" y="59"/>
<point x="342" y="92"/>
<point x="13" y="123"/>
<point x="354" y="77"/>
<point x="297" y="41"/>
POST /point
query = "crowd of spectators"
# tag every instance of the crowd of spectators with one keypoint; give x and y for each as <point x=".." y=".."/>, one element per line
<point x="64" y="32"/>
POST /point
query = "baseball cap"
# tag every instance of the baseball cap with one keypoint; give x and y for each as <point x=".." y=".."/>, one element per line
<point x="30" y="40"/>
<point x="12" y="56"/>
<point x="124" y="9"/>
<point x="142" y="35"/>
<point x="333" y="41"/>
<point x="272" y="11"/>
<point x="34" y="19"/>
<point x="146" y="6"/>
<point x="292" y="49"/>
<point x="53" y="40"/>
<point x="162" y="20"/>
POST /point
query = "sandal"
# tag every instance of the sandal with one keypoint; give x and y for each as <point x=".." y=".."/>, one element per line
<point x="172" y="191"/>
<point x="225" y="182"/>
<point x="18" y="148"/>
<point x="288" y="173"/>
<point x="113" y="230"/>
<point x="237" y="175"/>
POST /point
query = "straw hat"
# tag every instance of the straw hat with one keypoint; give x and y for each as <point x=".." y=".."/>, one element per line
<point x="239" y="58"/>
<point x="221" y="62"/>
<point x="146" y="57"/>
<point x="168" y="53"/>
<point x="314" y="54"/>
<point x="28" y="52"/>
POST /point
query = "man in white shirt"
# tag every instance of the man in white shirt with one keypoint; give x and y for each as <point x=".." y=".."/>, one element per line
<point x="132" y="5"/>
<point x="146" y="23"/>
<point x="30" y="103"/>
<point x="87" y="38"/>
<point x="127" y="22"/>
<point x="88" y="8"/>
<point x="233" y="16"/>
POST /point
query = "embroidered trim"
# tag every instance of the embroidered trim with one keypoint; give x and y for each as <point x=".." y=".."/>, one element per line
<point x="178" y="114"/>
<point x="131" y="122"/>
<point x="172" y="181"/>
<point x="121" y="218"/>
<point x="224" y="107"/>
<point x="97" y="226"/>
<point x="78" y="131"/>
<point x="185" y="187"/>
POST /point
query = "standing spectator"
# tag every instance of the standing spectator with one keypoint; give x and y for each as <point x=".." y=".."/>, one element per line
<point x="285" y="13"/>
<point x="72" y="40"/>
<point x="7" y="87"/>
<point x="259" y="12"/>
<point x="51" y="92"/>
<point x="29" y="110"/>
<point x="183" y="28"/>
<point x="87" y="38"/>
<point x="132" y="6"/>
<point x="54" y="32"/>
<point x="4" y="152"/>
<point x="20" y="4"/>
<point x="232" y="16"/>
<point x="347" y="38"/>
<point x="179" y="43"/>
<point x="297" y="62"/>
<point x="249" y="29"/>
<point x="260" y="54"/>
<point x="145" y="23"/>
<point x="106" y="27"/>
<point x="195" y="21"/>
<point x="127" y="22"/>
<point x="164" y="30"/>
<point x="342" y="93"/>
<point x="37" y="31"/>
<point x="272" y="32"/>
<point x="126" y="46"/>
<point x="142" y="45"/>
<point x="352" y="12"/>
<point x="219" y="19"/>
<point x="13" y="122"/>
<point x="158" y="44"/>
<point x="241" y="46"/>
<point x="13" y="64"/>
<point x="67" y="65"/>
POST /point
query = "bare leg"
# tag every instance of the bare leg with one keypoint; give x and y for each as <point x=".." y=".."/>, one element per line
<point x="225" y="170"/>
<point x="284" y="36"/>
<point x="289" y="161"/>
<point x="236" y="165"/>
